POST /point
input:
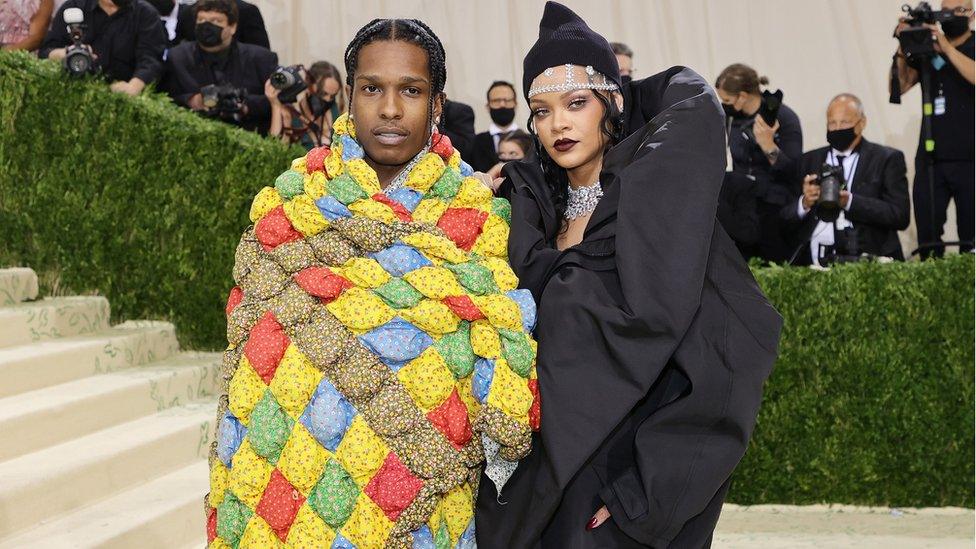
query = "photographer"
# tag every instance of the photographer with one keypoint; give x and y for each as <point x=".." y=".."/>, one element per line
<point x="872" y="198"/>
<point x="124" y="36"/>
<point x="764" y="152"/>
<point x="303" y="111"/>
<point x="218" y="76"/>
<point x="953" y="126"/>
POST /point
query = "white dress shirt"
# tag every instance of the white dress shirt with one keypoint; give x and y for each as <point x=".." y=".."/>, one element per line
<point x="823" y="233"/>
<point x="496" y="132"/>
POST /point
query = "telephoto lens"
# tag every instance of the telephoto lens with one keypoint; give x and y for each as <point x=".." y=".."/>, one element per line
<point x="831" y="181"/>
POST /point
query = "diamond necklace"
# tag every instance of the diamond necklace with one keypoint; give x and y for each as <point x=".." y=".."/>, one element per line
<point x="582" y="201"/>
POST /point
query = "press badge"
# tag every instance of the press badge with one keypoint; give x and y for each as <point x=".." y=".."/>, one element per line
<point x="939" y="106"/>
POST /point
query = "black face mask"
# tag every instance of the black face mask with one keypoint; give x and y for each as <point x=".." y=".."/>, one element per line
<point x="841" y="139"/>
<point x="955" y="27"/>
<point x="502" y="117"/>
<point x="733" y="112"/>
<point x="209" y="34"/>
<point x="122" y="3"/>
<point x="164" y="7"/>
<point x="625" y="79"/>
<point x="319" y="106"/>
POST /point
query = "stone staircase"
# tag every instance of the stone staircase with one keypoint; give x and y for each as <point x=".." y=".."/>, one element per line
<point x="104" y="430"/>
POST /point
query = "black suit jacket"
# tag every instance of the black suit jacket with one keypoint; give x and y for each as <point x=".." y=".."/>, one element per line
<point x="250" y="25"/>
<point x="483" y="153"/>
<point x="880" y="206"/>
<point x="457" y="122"/>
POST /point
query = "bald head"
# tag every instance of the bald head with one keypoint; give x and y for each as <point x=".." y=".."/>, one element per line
<point x="845" y="112"/>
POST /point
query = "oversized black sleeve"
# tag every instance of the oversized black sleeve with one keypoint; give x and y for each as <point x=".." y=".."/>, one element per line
<point x="891" y="209"/>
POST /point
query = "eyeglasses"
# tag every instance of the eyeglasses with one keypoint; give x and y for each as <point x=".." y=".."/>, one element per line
<point x="501" y="103"/>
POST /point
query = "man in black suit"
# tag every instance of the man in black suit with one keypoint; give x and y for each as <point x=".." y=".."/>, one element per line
<point x="874" y="202"/>
<point x="457" y="122"/>
<point x="501" y="106"/>
<point x="218" y="58"/>
<point x="250" y="25"/>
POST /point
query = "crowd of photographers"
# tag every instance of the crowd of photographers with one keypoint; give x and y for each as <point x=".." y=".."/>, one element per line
<point x="842" y="202"/>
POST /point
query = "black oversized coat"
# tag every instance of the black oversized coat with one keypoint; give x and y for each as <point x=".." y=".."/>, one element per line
<point x="654" y="341"/>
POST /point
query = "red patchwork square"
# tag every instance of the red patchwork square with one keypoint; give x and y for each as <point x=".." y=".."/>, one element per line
<point x="441" y="146"/>
<point x="279" y="504"/>
<point x="211" y="525"/>
<point x="462" y="225"/>
<point x="322" y="283"/>
<point x="393" y="487"/>
<point x="451" y="419"/>
<point x="463" y="307"/>
<point x="234" y="299"/>
<point x="274" y="229"/>
<point x="401" y="212"/>
<point x="265" y="346"/>
<point x="315" y="160"/>
<point x="535" y="412"/>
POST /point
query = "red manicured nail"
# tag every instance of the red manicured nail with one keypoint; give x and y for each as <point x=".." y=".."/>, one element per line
<point x="592" y="524"/>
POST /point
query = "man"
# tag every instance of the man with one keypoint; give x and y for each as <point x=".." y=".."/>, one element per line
<point x="953" y="130"/>
<point x="501" y="106"/>
<point x="124" y="35"/>
<point x="457" y="123"/>
<point x="874" y="203"/>
<point x="250" y="28"/>
<point x="625" y="60"/>
<point x="217" y="58"/>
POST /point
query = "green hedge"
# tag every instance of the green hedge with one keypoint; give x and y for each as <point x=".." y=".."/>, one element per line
<point x="137" y="199"/>
<point x="870" y="403"/>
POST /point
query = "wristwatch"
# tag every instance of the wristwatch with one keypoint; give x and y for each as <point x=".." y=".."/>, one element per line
<point x="773" y="155"/>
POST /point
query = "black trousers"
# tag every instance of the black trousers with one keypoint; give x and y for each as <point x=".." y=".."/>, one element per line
<point x="953" y="180"/>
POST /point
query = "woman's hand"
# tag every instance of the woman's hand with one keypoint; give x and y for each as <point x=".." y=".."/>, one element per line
<point x="488" y="181"/>
<point x="496" y="171"/>
<point x="765" y="134"/>
<point x="599" y="518"/>
<point x="271" y="93"/>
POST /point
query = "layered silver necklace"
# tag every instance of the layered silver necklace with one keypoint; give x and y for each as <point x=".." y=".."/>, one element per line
<point x="582" y="201"/>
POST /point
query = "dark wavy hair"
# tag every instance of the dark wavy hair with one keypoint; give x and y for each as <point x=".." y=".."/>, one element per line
<point x="612" y="126"/>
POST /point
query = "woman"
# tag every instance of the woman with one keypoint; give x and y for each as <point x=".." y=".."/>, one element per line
<point x="654" y="339"/>
<point x="763" y="153"/>
<point x="516" y="145"/>
<point x="309" y="119"/>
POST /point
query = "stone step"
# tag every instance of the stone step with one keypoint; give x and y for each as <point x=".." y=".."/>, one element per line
<point x="53" y="415"/>
<point x="52" y="318"/>
<point x="17" y="284"/>
<point x="61" y="479"/>
<point x="166" y="512"/>
<point x="47" y="363"/>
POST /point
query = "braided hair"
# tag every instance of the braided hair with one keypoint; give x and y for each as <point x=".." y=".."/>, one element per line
<point x="557" y="179"/>
<point x="412" y="31"/>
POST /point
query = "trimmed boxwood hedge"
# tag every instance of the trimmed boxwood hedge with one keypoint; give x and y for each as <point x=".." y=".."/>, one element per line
<point x="871" y="401"/>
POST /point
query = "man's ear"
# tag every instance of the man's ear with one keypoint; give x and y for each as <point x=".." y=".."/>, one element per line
<point x="863" y="123"/>
<point x="233" y="29"/>
<point x="439" y="106"/>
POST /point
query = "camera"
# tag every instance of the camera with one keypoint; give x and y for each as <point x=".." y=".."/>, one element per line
<point x="289" y="81"/>
<point x="831" y="181"/>
<point x="78" y="60"/>
<point x="769" y="106"/>
<point x="916" y="41"/>
<point x="223" y="100"/>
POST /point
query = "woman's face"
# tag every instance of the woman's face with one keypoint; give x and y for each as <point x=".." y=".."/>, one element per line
<point x="327" y="88"/>
<point x="736" y="101"/>
<point x="509" y="150"/>
<point x="569" y="126"/>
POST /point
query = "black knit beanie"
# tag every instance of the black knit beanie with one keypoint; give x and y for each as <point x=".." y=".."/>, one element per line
<point x="565" y="38"/>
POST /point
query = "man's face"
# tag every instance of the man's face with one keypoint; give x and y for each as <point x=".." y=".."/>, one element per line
<point x="843" y="114"/>
<point x="219" y="19"/>
<point x="390" y="101"/>
<point x="626" y="64"/>
<point x="501" y="97"/>
<point x="960" y="7"/>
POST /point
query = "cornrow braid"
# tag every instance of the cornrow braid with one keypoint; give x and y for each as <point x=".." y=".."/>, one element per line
<point x="407" y="30"/>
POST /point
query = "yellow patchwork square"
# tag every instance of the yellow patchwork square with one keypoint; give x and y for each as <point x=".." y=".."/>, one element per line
<point x="249" y="475"/>
<point x="294" y="382"/>
<point x="510" y="393"/>
<point x="434" y="282"/>
<point x="427" y="379"/>
<point x="501" y="310"/>
<point x="473" y="194"/>
<point x="309" y="531"/>
<point x="504" y="277"/>
<point x="463" y="386"/>
<point x="364" y="272"/>
<point x="258" y="534"/>
<point x="305" y="215"/>
<point x="219" y="543"/>
<point x="372" y="209"/>
<point x="359" y="170"/>
<point x="484" y="340"/>
<point x="219" y="481"/>
<point x="315" y="185"/>
<point x="300" y="165"/>
<point x="493" y="240"/>
<point x="302" y="459"/>
<point x="360" y="309"/>
<point x="361" y="452"/>
<point x="266" y="200"/>
<point x="429" y="210"/>
<point x="333" y="162"/>
<point x="436" y="246"/>
<point x="457" y="509"/>
<point x="367" y="527"/>
<point x="425" y="173"/>
<point x="433" y="317"/>
<point x="245" y="390"/>
<point x="455" y="161"/>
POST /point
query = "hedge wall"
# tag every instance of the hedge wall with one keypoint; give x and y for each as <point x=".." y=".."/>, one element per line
<point x="870" y="403"/>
